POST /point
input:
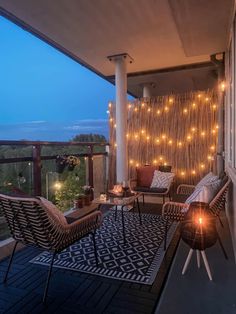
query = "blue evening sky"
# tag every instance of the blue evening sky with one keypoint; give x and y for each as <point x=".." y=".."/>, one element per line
<point x="45" y="95"/>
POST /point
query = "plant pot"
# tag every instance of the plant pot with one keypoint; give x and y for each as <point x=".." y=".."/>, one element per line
<point x="87" y="200"/>
<point x="79" y="203"/>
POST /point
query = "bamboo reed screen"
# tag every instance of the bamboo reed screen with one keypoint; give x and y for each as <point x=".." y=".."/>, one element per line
<point x="177" y="130"/>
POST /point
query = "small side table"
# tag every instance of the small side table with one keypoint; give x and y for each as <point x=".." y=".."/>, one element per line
<point x="121" y="201"/>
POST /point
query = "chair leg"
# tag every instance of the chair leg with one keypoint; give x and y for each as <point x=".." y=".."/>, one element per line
<point x="115" y="212"/>
<point x="48" y="278"/>
<point x="10" y="261"/>
<point x="198" y="259"/>
<point x="222" y="246"/>
<point x="221" y="223"/>
<point x="139" y="212"/>
<point x="165" y="239"/>
<point x="163" y="199"/>
<point x="143" y="200"/>
<point x="95" y="248"/>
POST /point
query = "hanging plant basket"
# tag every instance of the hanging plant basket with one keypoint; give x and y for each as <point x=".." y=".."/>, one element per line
<point x="60" y="164"/>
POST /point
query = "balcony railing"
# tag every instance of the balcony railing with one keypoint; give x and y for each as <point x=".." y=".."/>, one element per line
<point x="30" y="166"/>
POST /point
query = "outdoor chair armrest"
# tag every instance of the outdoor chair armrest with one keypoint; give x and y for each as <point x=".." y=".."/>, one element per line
<point x="185" y="189"/>
<point x="174" y="211"/>
<point x="83" y="226"/>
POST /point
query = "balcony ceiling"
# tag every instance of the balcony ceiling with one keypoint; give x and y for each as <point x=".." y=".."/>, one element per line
<point x="157" y="34"/>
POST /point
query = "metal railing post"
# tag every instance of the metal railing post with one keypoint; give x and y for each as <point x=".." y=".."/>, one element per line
<point x="90" y="166"/>
<point x="37" y="180"/>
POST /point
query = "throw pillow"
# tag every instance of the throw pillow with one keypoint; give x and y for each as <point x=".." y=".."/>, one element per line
<point x="209" y="178"/>
<point x="145" y="175"/>
<point x="162" y="179"/>
<point x="205" y="193"/>
<point x="53" y="211"/>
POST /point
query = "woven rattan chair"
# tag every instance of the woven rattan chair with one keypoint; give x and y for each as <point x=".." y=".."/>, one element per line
<point x="175" y="211"/>
<point x="31" y="224"/>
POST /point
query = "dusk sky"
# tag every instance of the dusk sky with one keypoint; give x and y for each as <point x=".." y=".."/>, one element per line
<point x="45" y="95"/>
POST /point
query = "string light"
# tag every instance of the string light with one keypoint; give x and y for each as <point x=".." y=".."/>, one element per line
<point x="115" y="145"/>
<point x="203" y="133"/>
<point x="202" y="166"/>
<point x="193" y="129"/>
<point x="137" y="165"/>
<point x="194" y="105"/>
<point x="212" y="147"/>
<point x="189" y="137"/>
<point x="180" y="144"/>
<point x="163" y="136"/>
<point x="158" y="112"/>
<point x="170" y="142"/>
<point x="143" y="104"/>
<point x="111" y="119"/>
<point x="214" y="107"/>
<point x="171" y="100"/>
<point x="206" y="99"/>
<point x="148" y="138"/>
<point x="115" y="125"/>
<point x="135" y="109"/>
<point x="109" y="105"/>
<point x="131" y="161"/>
<point x="193" y="172"/>
<point x="142" y="131"/>
<point x="222" y="86"/>
<point x="185" y="111"/>
<point x="149" y="110"/>
<point x="199" y="95"/>
<point x="154" y="161"/>
<point x="166" y="109"/>
<point x="213" y="131"/>
<point x="182" y="173"/>
<point x="129" y="106"/>
<point x="108" y="112"/>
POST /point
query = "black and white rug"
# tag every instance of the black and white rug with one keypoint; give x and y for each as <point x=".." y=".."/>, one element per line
<point x="137" y="261"/>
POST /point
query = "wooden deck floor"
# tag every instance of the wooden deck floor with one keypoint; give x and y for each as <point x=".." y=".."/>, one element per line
<point x="74" y="292"/>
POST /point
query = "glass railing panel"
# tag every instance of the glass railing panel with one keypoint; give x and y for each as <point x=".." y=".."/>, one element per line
<point x="99" y="175"/>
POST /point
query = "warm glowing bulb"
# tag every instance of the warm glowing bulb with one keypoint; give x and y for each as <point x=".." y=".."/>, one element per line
<point x="161" y="158"/>
<point x="165" y="163"/>
<point x="143" y="104"/>
<point x="213" y="131"/>
<point x="203" y="133"/>
<point x="217" y="126"/>
<point x="136" y="136"/>
<point x="185" y="111"/>
<point x="58" y="185"/>
<point x="137" y="165"/>
<point x="135" y="109"/>
<point x="148" y="138"/>
<point x="163" y="136"/>
<point x="194" y="105"/>
<point x="193" y="129"/>
<point x="212" y="147"/>
<point x="214" y="107"/>
<point x="171" y="100"/>
<point x="131" y="161"/>
<point x="115" y="125"/>
<point x="127" y="135"/>
<point x="206" y="99"/>
<point x="202" y="166"/>
<point x="200" y="220"/>
<point x="193" y="172"/>
<point x="115" y="145"/>
<point x="158" y="112"/>
<point x="182" y="173"/>
<point x="149" y="109"/>
<point x="170" y="142"/>
<point x="189" y="138"/>
<point x="154" y="161"/>
<point x="180" y="144"/>
<point x="199" y="95"/>
<point x="157" y="141"/>
<point x="166" y="109"/>
<point x="209" y="157"/>
<point x="222" y="86"/>
<point x="109" y="105"/>
<point x="142" y="131"/>
<point x="129" y="106"/>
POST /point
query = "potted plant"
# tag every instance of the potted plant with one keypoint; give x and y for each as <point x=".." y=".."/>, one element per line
<point x="60" y="164"/>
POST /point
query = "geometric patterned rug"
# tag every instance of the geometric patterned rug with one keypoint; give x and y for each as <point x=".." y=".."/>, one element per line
<point x="138" y="260"/>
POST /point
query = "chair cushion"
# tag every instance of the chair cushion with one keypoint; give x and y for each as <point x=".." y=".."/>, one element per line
<point x="162" y="179"/>
<point x="205" y="193"/>
<point x="53" y="211"/>
<point x="145" y="175"/>
<point x="209" y="178"/>
<point x="149" y="190"/>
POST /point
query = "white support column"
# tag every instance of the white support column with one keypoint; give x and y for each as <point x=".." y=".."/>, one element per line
<point x="147" y="90"/>
<point x="121" y="119"/>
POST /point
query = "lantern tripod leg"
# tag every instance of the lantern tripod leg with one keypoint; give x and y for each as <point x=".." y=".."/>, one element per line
<point x="190" y="253"/>
<point x="206" y="264"/>
<point x="198" y="259"/>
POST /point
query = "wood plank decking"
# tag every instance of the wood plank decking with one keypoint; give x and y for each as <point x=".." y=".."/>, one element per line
<point x="74" y="292"/>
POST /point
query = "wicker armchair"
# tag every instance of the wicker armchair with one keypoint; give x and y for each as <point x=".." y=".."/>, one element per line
<point x="31" y="224"/>
<point x="176" y="211"/>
